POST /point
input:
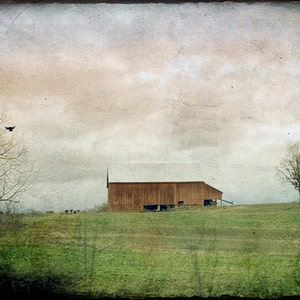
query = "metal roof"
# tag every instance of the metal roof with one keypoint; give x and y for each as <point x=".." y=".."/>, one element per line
<point x="154" y="172"/>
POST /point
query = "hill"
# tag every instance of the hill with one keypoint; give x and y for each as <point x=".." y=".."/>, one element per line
<point x="234" y="251"/>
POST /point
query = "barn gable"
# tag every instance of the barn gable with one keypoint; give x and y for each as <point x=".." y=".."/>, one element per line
<point x="134" y="187"/>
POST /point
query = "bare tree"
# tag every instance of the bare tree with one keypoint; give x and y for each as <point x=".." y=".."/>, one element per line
<point x="16" y="173"/>
<point x="289" y="168"/>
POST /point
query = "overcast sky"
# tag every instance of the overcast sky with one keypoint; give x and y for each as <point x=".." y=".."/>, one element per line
<point x="212" y="84"/>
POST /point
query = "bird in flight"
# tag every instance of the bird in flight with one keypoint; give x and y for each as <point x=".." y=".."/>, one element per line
<point x="10" y="128"/>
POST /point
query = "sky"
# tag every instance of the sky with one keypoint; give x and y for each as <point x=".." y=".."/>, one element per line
<point x="214" y="85"/>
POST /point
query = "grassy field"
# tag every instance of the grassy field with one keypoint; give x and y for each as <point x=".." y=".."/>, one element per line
<point x="240" y="251"/>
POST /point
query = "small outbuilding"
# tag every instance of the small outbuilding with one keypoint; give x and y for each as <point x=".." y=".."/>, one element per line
<point x="138" y="187"/>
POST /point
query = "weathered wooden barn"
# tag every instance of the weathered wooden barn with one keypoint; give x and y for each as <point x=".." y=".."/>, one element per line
<point x="162" y="189"/>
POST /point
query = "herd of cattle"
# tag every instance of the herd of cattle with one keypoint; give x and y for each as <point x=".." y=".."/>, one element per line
<point x="67" y="211"/>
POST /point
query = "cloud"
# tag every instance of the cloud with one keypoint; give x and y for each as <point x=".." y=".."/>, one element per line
<point x="207" y="83"/>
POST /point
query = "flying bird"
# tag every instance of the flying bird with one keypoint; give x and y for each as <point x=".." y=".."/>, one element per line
<point x="10" y="128"/>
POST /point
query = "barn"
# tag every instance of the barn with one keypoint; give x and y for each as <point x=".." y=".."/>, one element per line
<point x="138" y="187"/>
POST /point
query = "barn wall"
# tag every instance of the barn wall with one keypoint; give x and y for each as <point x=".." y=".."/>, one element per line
<point x="133" y="196"/>
<point x="211" y="193"/>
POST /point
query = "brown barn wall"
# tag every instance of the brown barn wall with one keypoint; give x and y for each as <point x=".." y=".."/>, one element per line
<point x="133" y="196"/>
<point x="211" y="193"/>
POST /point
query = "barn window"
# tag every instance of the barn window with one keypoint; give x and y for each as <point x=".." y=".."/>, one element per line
<point x="151" y="207"/>
<point x="166" y="206"/>
<point x="210" y="202"/>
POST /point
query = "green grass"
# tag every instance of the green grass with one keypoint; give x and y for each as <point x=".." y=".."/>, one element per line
<point x="245" y="251"/>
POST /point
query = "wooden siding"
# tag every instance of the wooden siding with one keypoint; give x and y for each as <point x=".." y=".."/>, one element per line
<point x="134" y="195"/>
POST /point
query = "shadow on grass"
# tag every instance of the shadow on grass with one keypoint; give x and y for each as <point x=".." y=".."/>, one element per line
<point x="33" y="285"/>
<point x="63" y="287"/>
<point x="54" y="287"/>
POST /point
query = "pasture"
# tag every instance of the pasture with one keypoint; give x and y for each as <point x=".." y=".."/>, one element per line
<point x="238" y="251"/>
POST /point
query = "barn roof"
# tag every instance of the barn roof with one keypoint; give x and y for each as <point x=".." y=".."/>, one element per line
<point x="154" y="172"/>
